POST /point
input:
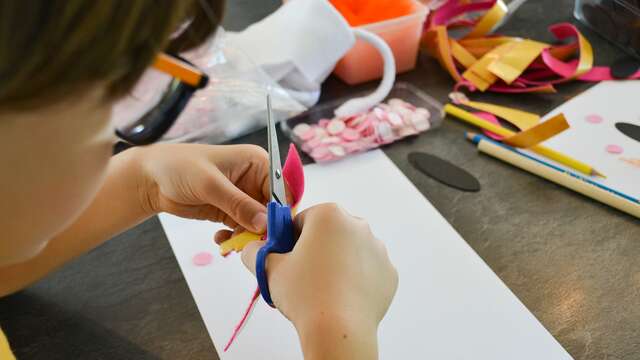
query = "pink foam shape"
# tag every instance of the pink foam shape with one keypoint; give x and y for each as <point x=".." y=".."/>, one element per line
<point x="492" y="119"/>
<point x="293" y="174"/>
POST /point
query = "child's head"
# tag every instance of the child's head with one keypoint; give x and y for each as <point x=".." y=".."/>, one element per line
<point x="62" y="65"/>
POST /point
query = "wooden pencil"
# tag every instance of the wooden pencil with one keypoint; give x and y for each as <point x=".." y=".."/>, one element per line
<point x="557" y="175"/>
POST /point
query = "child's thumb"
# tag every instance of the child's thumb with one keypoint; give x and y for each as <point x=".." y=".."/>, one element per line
<point x="242" y="208"/>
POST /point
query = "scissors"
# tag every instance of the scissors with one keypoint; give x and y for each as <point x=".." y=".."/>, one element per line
<point x="280" y="238"/>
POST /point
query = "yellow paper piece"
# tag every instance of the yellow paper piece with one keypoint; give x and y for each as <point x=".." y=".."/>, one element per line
<point x="512" y="64"/>
<point x="462" y="55"/>
<point x="523" y="120"/>
<point x="585" y="63"/>
<point x="238" y="242"/>
<point x="489" y="20"/>
<point x="538" y="133"/>
<point x="479" y="75"/>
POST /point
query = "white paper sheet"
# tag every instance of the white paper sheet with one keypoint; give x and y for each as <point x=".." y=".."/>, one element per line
<point x="614" y="101"/>
<point x="449" y="304"/>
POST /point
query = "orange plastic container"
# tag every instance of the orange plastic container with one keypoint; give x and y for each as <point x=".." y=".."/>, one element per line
<point x="364" y="63"/>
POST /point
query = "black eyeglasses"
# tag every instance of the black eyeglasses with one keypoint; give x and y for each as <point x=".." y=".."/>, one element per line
<point x="156" y="111"/>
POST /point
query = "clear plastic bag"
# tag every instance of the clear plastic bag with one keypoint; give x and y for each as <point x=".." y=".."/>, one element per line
<point x="233" y="103"/>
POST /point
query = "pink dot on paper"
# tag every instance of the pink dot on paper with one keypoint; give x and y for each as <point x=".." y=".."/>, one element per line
<point x="202" y="259"/>
<point x="614" y="149"/>
<point x="594" y="119"/>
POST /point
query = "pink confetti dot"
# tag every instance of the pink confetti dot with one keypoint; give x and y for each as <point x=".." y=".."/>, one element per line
<point x="614" y="149"/>
<point x="202" y="259"/>
<point x="594" y="119"/>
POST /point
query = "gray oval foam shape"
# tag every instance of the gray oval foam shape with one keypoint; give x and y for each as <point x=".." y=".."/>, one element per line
<point x="444" y="172"/>
<point x="630" y="130"/>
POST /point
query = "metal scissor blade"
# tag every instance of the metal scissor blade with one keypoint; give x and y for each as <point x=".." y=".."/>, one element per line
<point x="276" y="182"/>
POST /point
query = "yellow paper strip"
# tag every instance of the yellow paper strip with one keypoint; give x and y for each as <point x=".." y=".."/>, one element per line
<point x="479" y="75"/>
<point x="462" y="55"/>
<point x="585" y="63"/>
<point x="489" y="20"/>
<point x="538" y="133"/>
<point x="523" y="120"/>
<point x="512" y="64"/>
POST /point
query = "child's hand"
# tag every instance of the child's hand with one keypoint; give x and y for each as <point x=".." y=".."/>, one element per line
<point x="227" y="184"/>
<point x="335" y="286"/>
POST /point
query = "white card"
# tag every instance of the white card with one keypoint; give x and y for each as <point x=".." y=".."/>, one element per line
<point x="613" y="101"/>
<point x="449" y="305"/>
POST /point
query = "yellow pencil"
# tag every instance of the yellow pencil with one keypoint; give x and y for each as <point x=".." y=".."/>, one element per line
<point x="539" y="149"/>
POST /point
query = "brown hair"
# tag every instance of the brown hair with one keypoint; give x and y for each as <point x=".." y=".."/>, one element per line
<point x="52" y="48"/>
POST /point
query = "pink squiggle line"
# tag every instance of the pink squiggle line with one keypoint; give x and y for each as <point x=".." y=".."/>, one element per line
<point x="247" y="312"/>
<point x="245" y="317"/>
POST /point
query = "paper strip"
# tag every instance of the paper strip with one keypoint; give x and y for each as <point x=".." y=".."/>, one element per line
<point x="585" y="62"/>
<point x="489" y="20"/>
<point x="523" y="120"/>
<point x="539" y="133"/>
<point x="512" y="64"/>
<point x="479" y="75"/>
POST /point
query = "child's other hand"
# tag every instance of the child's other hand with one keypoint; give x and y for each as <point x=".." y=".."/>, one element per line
<point x="227" y="184"/>
<point x="337" y="283"/>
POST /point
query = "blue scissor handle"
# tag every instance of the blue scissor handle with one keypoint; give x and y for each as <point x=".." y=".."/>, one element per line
<point x="280" y="240"/>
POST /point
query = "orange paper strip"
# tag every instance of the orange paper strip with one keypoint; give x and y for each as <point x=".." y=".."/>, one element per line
<point x="478" y="47"/>
<point x="487" y="42"/>
<point x="539" y="133"/>
<point x="440" y="40"/>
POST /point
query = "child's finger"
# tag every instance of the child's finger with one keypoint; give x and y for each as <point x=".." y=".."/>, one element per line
<point x="249" y="254"/>
<point x="222" y="236"/>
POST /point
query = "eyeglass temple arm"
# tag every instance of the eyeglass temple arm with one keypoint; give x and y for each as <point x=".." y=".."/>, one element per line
<point x="181" y="70"/>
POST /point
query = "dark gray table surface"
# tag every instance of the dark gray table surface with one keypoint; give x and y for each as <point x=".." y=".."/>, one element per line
<point x="573" y="262"/>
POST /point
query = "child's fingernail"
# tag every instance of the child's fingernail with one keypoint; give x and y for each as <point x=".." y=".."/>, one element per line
<point x="259" y="222"/>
